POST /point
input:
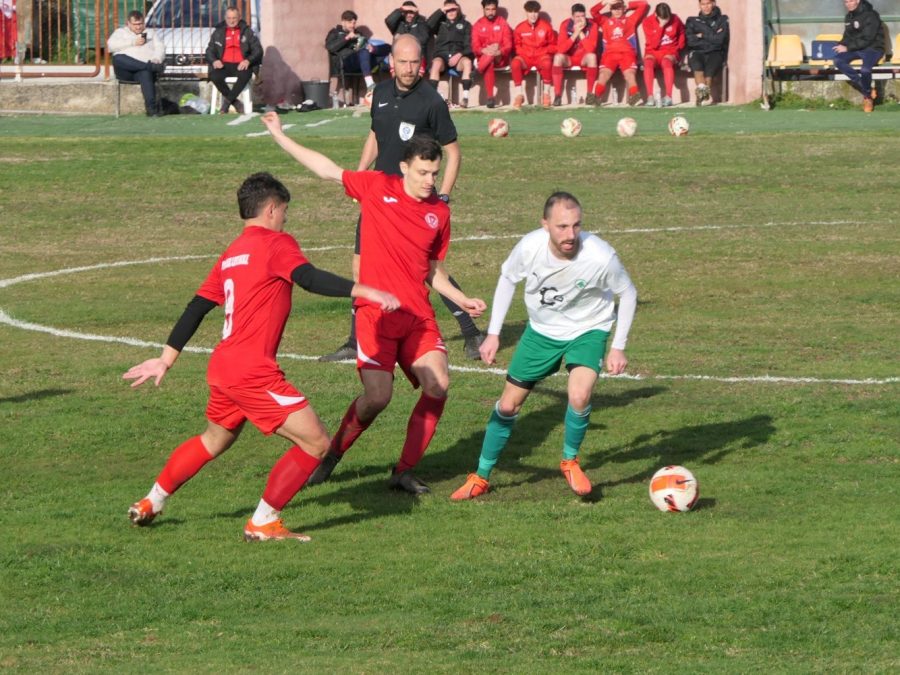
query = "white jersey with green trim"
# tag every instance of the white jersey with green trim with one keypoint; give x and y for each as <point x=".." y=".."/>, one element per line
<point x="566" y="298"/>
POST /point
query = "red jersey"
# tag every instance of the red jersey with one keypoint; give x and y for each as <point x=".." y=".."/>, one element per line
<point x="399" y="237"/>
<point x="533" y="42"/>
<point x="586" y="44"/>
<point x="486" y="33"/>
<point x="252" y="278"/>
<point x="620" y="35"/>
<point x="232" y="53"/>
<point x="668" y="39"/>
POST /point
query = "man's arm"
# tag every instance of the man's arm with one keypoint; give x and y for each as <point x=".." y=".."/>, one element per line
<point x="120" y="40"/>
<point x="503" y="296"/>
<point x="439" y="280"/>
<point x="451" y="168"/>
<point x="369" y="152"/>
<point x="316" y="162"/>
<point x="310" y="278"/>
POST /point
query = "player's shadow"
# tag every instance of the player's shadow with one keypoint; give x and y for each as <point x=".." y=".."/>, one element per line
<point x="35" y="395"/>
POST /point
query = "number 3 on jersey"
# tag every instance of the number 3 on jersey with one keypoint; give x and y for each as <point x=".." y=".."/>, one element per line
<point x="228" y="287"/>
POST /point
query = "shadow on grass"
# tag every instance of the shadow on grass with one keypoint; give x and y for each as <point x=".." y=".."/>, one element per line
<point x="35" y="395"/>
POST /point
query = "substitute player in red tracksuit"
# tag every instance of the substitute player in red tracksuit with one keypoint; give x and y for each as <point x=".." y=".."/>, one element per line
<point x="252" y="280"/>
<point x="618" y="27"/>
<point x="535" y="44"/>
<point x="404" y="237"/>
<point x="576" y="46"/>
<point x="492" y="44"/>
<point x="664" y="39"/>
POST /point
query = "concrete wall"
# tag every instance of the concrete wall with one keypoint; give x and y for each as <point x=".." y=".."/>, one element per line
<point x="293" y="35"/>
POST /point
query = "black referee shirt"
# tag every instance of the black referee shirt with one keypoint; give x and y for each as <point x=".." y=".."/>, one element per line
<point x="398" y="115"/>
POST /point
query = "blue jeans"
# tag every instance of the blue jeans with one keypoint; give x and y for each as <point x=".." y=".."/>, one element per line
<point x="363" y="61"/>
<point x="861" y="79"/>
<point x="129" y="69"/>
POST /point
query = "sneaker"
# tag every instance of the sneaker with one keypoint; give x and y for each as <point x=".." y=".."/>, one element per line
<point x="491" y="103"/>
<point x="239" y="107"/>
<point x="141" y="513"/>
<point x="868" y="105"/>
<point x="405" y="480"/>
<point x="223" y="109"/>
<point x="575" y="476"/>
<point x="345" y="352"/>
<point x="557" y="101"/>
<point x="590" y="99"/>
<point x="475" y="486"/>
<point x="666" y="102"/>
<point x="273" y="530"/>
<point x="635" y="99"/>
<point x="545" y="100"/>
<point x="518" y="102"/>
<point x="323" y="471"/>
<point x="473" y="342"/>
<point x="702" y="94"/>
<point x="464" y="103"/>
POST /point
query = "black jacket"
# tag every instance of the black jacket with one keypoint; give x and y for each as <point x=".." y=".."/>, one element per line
<point x="418" y="28"/>
<point x="862" y="29"/>
<point x="451" y="37"/>
<point x="339" y="47"/>
<point x="250" y="46"/>
<point x="712" y="29"/>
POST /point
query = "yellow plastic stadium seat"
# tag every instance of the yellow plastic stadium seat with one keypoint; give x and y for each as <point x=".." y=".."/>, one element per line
<point x="785" y="51"/>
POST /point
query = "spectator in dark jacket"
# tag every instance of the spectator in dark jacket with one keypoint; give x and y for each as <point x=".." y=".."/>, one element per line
<point x="452" y="46"/>
<point x="233" y="51"/>
<point x="350" y="52"/>
<point x="863" y="40"/>
<point x="407" y="20"/>
<point x="707" y="40"/>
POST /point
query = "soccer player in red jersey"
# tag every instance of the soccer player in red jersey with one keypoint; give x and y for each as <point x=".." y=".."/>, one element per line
<point x="535" y="44"/>
<point x="492" y="44"/>
<point x="664" y="38"/>
<point x="576" y="46"/>
<point x="618" y="26"/>
<point x="405" y="233"/>
<point x="253" y="281"/>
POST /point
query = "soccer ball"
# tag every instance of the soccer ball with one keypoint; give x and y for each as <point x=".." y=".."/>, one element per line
<point x="498" y="128"/>
<point x="626" y="127"/>
<point x="674" y="488"/>
<point x="570" y="127"/>
<point x="678" y="126"/>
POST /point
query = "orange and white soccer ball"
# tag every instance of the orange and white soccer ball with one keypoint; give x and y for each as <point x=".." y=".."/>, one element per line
<point x="570" y="127"/>
<point x="498" y="128"/>
<point x="678" y="126"/>
<point x="626" y="127"/>
<point x="674" y="488"/>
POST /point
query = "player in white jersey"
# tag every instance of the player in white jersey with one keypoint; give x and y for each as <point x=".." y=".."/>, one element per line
<point x="571" y="281"/>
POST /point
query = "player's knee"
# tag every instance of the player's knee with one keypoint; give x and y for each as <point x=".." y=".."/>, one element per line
<point x="438" y="388"/>
<point x="579" y="400"/>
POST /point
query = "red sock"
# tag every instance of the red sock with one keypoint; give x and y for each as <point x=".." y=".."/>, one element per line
<point x="591" y="76"/>
<point x="632" y="90"/>
<point x="649" y="72"/>
<point x="599" y="89"/>
<point x="420" y="430"/>
<point x="349" y="431"/>
<point x="557" y="73"/>
<point x="289" y="474"/>
<point x="668" y="69"/>
<point x="184" y="462"/>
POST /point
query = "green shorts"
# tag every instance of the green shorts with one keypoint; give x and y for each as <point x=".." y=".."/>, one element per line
<point x="538" y="356"/>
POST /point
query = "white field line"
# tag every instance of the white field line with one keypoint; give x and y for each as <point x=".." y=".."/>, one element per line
<point x="768" y="379"/>
<point x="245" y="117"/>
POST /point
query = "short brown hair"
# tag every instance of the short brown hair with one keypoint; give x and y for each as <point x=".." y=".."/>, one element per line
<point x="532" y="6"/>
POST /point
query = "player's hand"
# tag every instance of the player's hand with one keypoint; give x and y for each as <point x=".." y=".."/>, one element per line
<point x="616" y="362"/>
<point x="474" y="307"/>
<point x="155" y="368"/>
<point x="488" y="348"/>
<point x="388" y="302"/>
<point x="217" y="64"/>
<point x="840" y="49"/>
<point x="272" y="121"/>
<point x="243" y="65"/>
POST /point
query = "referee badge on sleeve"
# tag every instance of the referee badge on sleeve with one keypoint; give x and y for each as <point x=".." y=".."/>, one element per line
<point x="407" y="130"/>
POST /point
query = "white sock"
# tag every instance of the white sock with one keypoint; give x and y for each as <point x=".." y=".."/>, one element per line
<point x="522" y="88"/>
<point x="157" y="497"/>
<point x="466" y="94"/>
<point x="369" y="80"/>
<point x="264" y="514"/>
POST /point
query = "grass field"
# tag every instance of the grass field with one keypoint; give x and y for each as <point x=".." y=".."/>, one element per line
<point x="764" y="357"/>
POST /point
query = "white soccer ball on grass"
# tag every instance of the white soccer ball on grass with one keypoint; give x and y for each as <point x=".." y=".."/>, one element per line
<point x="626" y="127"/>
<point x="678" y="126"/>
<point x="674" y="488"/>
<point x="570" y="127"/>
<point x="498" y="128"/>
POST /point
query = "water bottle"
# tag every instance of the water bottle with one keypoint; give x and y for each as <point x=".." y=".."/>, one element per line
<point x="335" y="102"/>
<point x="573" y="95"/>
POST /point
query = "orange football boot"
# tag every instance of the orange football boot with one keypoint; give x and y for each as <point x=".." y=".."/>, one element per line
<point x="141" y="513"/>
<point x="475" y="486"/>
<point x="575" y="476"/>
<point x="273" y="530"/>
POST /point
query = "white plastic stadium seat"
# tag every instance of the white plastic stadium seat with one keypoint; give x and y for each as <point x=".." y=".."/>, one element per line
<point x="245" y="97"/>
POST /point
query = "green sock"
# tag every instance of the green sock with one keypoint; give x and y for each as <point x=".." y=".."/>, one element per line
<point x="496" y="435"/>
<point x="576" y="428"/>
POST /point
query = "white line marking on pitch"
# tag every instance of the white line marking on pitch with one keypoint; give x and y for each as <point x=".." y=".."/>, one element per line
<point x="58" y="332"/>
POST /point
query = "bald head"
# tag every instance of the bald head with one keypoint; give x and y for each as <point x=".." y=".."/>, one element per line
<point x="406" y="55"/>
<point x="405" y="42"/>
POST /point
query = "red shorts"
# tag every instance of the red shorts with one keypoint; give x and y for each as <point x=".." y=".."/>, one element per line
<point x="267" y="407"/>
<point x="577" y="58"/>
<point x="659" y="55"/>
<point x="384" y="339"/>
<point x="619" y="60"/>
